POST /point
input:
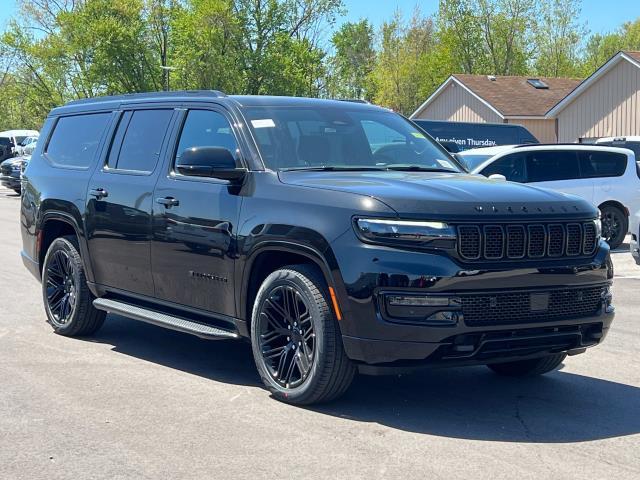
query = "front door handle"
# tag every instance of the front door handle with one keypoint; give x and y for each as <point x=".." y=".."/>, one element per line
<point x="168" y="202"/>
<point x="99" y="193"/>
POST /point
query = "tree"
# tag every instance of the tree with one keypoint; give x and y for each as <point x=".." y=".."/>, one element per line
<point x="402" y="74"/>
<point x="460" y="36"/>
<point x="558" y="39"/>
<point x="205" y="54"/>
<point x="601" y="47"/>
<point x="353" y="61"/>
<point x="507" y="27"/>
<point x="268" y="58"/>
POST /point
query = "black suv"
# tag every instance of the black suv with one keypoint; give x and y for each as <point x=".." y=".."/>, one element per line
<point x="333" y="236"/>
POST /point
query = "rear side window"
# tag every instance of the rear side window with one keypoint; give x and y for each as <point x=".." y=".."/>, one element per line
<point x="602" y="164"/>
<point x="142" y="133"/>
<point x="511" y="166"/>
<point x="548" y="166"/>
<point x="75" y="139"/>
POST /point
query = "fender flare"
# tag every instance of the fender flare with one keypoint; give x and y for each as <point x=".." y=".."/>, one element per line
<point x="70" y="220"/>
<point x="325" y="260"/>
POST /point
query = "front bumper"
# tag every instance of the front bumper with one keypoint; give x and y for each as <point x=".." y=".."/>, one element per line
<point x="371" y="336"/>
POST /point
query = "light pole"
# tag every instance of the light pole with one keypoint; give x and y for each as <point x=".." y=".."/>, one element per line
<point x="167" y="71"/>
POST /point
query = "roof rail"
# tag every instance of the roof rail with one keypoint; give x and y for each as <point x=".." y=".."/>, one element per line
<point x="143" y="95"/>
<point x="354" y="100"/>
<point x="564" y="144"/>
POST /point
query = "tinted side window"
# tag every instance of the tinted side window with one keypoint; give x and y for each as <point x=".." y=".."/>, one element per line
<point x="140" y="148"/>
<point x="205" y="128"/>
<point x="633" y="146"/>
<point x="75" y="139"/>
<point x="552" y="165"/>
<point x="511" y="166"/>
<point x="602" y="164"/>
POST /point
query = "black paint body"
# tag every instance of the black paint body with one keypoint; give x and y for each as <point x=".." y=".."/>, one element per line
<point x="198" y="258"/>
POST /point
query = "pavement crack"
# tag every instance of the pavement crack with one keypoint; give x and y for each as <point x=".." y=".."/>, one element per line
<point x="518" y="415"/>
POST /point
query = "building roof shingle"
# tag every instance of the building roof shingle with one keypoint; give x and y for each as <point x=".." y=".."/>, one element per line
<point x="632" y="54"/>
<point x="513" y="96"/>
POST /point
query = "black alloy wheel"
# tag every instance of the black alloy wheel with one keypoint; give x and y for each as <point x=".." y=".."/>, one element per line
<point x="296" y="339"/>
<point x="61" y="288"/>
<point x="614" y="226"/>
<point x="67" y="299"/>
<point x="287" y="338"/>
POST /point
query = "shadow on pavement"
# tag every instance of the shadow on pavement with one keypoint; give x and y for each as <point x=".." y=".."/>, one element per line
<point x="470" y="403"/>
<point x="224" y="361"/>
<point x="473" y="403"/>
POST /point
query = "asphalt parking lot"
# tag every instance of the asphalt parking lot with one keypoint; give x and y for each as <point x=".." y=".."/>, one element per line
<point x="137" y="401"/>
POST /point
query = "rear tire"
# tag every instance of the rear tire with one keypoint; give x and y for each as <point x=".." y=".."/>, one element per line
<point x="529" y="368"/>
<point x="615" y="226"/>
<point x="67" y="300"/>
<point x="296" y="341"/>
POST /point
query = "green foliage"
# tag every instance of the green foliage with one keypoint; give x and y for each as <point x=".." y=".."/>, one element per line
<point x="60" y="50"/>
<point x="353" y="61"/>
<point x="558" y="39"/>
<point x="409" y="65"/>
<point x="601" y="48"/>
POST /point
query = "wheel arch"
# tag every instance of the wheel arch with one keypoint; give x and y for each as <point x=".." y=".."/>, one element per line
<point x="614" y="203"/>
<point x="55" y="224"/>
<point x="269" y="256"/>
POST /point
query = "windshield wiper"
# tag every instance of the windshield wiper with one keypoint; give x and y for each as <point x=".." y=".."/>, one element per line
<point x="419" y="168"/>
<point x="332" y="168"/>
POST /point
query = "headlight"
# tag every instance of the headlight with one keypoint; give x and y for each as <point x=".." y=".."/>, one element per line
<point x="598" y="223"/>
<point x="408" y="233"/>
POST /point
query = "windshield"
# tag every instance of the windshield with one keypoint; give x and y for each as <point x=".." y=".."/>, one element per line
<point x="472" y="161"/>
<point x="19" y="140"/>
<point x="337" y="138"/>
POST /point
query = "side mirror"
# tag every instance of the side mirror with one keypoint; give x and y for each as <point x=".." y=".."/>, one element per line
<point x="497" y="176"/>
<point x="213" y="162"/>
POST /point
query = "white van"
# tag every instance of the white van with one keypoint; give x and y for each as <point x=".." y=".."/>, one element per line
<point x="608" y="177"/>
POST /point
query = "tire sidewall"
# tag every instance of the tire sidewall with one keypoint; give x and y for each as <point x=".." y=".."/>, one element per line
<point x="318" y="319"/>
<point x="70" y="249"/>
<point x="624" y="224"/>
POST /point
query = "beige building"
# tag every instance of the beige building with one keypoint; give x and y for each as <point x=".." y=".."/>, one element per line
<point x="607" y="104"/>
<point x="553" y="109"/>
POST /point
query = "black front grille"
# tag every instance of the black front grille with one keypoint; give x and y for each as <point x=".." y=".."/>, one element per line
<point x="5" y="170"/>
<point x="524" y="307"/>
<point x="531" y="241"/>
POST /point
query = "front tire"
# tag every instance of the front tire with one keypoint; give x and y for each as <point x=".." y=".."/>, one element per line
<point x="67" y="300"/>
<point x="528" y="368"/>
<point x="296" y="341"/>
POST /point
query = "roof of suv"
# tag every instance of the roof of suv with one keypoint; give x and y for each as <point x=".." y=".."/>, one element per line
<point x="492" y="151"/>
<point x="629" y="138"/>
<point x="190" y="95"/>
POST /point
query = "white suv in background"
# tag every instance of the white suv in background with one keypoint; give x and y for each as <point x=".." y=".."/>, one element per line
<point x="608" y="177"/>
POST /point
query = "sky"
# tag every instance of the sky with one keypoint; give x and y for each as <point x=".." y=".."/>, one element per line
<point x="601" y="16"/>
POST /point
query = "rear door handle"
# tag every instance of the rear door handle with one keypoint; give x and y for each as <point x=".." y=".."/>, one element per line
<point x="99" y="193"/>
<point x="168" y="202"/>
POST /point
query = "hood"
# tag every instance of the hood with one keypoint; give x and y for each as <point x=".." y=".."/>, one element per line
<point x="447" y="195"/>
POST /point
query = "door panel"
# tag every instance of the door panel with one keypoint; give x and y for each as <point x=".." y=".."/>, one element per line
<point x="120" y="203"/>
<point x="194" y="225"/>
